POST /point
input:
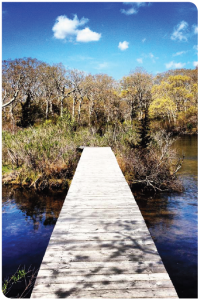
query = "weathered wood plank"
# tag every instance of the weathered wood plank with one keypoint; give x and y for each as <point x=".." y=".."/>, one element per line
<point x="115" y="293"/>
<point x="108" y="285"/>
<point x="48" y="276"/>
<point x="100" y="246"/>
<point x="108" y="265"/>
<point x="92" y="245"/>
<point x="51" y="267"/>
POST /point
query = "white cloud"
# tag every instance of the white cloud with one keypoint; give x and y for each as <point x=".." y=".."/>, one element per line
<point x="195" y="47"/>
<point x="133" y="8"/>
<point x="87" y="35"/>
<point x="129" y="11"/>
<point x="180" y="32"/>
<point x="140" y="60"/>
<point x="195" y="63"/>
<point x="151" y="56"/>
<point x="123" y="45"/>
<point x="174" y="65"/>
<point x="101" y="65"/>
<point x="66" y="28"/>
<point x="195" y="29"/>
<point x="144" y="40"/>
<point x="179" y="53"/>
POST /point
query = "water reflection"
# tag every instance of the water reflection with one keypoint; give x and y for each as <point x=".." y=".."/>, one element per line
<point x="27" y="223"/>
<point x="29" y="218"/>
<point x="172" y="222"/>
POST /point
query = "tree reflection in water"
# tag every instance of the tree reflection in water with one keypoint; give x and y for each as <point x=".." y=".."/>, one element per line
<point x="27" y="223"/>
<point x="172" y="222"/>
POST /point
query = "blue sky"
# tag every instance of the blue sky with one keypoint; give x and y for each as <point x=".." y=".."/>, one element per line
<point x="102" y="37"/>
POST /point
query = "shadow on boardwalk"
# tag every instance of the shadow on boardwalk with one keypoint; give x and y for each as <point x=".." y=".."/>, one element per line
<point x="100" y="267"/>
<point x="100" y="246"/>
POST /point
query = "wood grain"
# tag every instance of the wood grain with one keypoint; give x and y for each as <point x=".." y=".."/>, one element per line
<point x="100" y="246"/>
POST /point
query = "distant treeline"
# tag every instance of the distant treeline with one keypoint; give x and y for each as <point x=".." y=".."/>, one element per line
<point x="34" y="91"/>
<point x="48" y="112"/>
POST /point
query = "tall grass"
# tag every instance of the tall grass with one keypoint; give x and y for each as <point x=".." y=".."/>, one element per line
<point x="40" y="154"/>
<point x="46" y="156"/>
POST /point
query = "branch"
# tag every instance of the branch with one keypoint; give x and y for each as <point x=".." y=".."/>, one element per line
<point x="12" y="100"/>
<point x="179" y="165"/>
<point x="30" y="283"/>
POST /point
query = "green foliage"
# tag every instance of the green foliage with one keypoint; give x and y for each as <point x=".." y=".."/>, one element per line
<point x="162" y="108"/>
<point x="55" y="112"/>
<point x="20" y="274"/>
<point x="6" y="169"/>
<point x="187" y="121"/>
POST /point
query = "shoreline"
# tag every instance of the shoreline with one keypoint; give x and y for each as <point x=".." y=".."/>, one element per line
<point x="12" y="177"/>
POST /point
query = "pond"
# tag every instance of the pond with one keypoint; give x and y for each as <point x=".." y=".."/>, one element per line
<point x="172" y="222"/>
<point x="27" y="223"/>
<point x="29" y="218"/>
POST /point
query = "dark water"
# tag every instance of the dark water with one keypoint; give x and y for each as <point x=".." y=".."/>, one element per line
<point x="29" y="218"/>
<point x="172" y="222"/>
<point x="27" y="223"/>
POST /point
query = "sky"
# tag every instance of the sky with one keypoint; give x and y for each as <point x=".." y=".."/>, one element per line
<point x="103" y="37"/>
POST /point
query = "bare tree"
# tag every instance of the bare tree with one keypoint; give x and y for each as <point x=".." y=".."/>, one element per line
<point x="136" y="88"/>
<point x="20" y="85"/>
<point x="75" y="83"/>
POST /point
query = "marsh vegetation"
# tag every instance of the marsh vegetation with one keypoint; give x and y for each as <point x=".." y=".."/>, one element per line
<point x="48" y="112"/>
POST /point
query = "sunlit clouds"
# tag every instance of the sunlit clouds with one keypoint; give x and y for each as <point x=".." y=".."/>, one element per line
<point x="195" y="29"/>
<point x="180" y="53"/>
<point x="180" y="32"/>
<point x="114" y="38"/>
<point x="133" y="7"/>
<point x="68" y="29"/>
<point x="87" y="35"/>
<point x="123" y="45"/>
<point x="140" y="60"/>
<point x="174" y="65"/>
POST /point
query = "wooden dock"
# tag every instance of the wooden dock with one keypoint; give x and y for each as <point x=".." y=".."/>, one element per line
<point x="100" y="246"/>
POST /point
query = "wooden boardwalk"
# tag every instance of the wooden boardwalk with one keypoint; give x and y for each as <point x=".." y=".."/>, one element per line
<point x="100" y="246"/>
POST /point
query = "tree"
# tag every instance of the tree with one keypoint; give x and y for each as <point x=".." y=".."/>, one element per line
<point x="163" y="108"/>
<point x="20" y="86"/>
<point x="136" y="88"/>
<point x="144" y="130"/>
<point x="48" y="87"/>
<point x="75" y="82"/>
<point x="101" y="99"/>
<point x="61" y="83"/>
<point x="174" y="95"/>
<point x="179" y="89"/>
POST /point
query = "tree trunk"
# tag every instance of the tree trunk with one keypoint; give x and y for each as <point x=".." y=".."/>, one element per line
<point x="47" y="109"/>
<point x="132" y="111"/>
<point x="89" y="115"/>
<point x="79" y="110"/>
<point x="50" y="107"/>
<point x="12" y="117"/>
<point x="61" y="107"/>
<point x="73" y="108"/>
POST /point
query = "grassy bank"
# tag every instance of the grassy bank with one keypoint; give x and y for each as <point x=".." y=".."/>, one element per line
<point x="46" y="156"/>
<point x="40" y="157"/>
